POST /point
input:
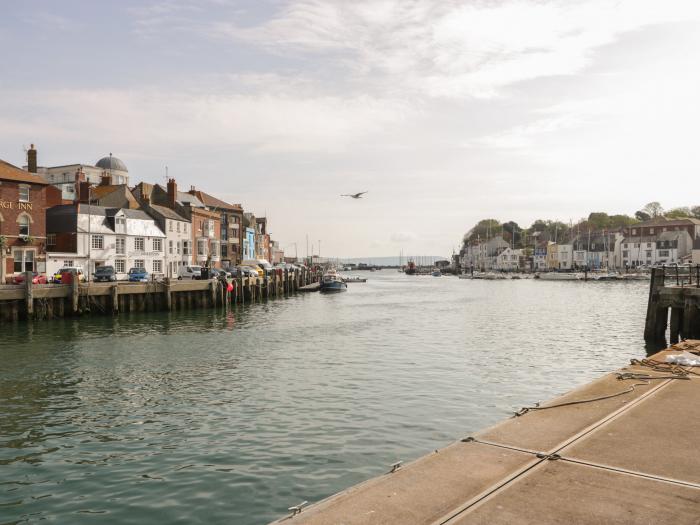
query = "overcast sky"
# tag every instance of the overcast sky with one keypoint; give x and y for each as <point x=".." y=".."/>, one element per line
<point x="445" y="111"/>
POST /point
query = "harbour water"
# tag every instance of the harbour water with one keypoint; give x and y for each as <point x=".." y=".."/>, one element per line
<point x="231" y="417"/>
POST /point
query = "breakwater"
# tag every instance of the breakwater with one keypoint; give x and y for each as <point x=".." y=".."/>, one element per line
<point x="48" y="301"/>
<point x="676" y="290"/>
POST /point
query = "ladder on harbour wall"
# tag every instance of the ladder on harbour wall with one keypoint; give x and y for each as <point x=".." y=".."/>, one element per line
<point x="30" y="301"/>
<point x="675" y="289"/>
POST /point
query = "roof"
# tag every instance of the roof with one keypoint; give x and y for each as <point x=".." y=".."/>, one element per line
<point x="663" y="221"/>
<point x="11" y="172"/>
<point x="111" y="163"/>
<point x="167" y="213"/>
<point x="213" y="202"/>
<point x="190" y="199"/>
<point x="100" y="191"/>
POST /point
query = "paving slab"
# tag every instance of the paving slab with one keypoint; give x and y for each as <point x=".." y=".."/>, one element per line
<point x="660" y="436"/>
<point x="566" y="493"/>
<point x="420" y="492"/>
<point x="545" y="430"/>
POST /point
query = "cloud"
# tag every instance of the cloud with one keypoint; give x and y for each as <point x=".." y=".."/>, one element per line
<point x="452" y="49"/>
<point x="399" y="237"/>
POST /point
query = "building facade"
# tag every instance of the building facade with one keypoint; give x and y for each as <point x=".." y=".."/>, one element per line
<point x="24" y="197"/>
<point x="90" y="236"/>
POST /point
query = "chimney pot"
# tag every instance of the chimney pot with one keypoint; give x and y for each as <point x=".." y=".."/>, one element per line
<point x="31" y="160"/>
<point x="172" y="193"/>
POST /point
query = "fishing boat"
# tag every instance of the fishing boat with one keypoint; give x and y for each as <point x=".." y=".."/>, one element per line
<point x="410" y="268"/>
<point x="332" y="282"/>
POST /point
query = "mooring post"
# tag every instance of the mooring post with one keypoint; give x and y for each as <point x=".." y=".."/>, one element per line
<point x="75" y="292"/>
<point x="29" y="293"/>
<point x="676" y="323"/>
<point x="114" y="292"/>
<point x="657" y="316"/>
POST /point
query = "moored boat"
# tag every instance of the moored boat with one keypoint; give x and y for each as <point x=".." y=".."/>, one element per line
<point x="332" y="282"/>
<point x="559" y="276"/>
<point x="354" y="279"/>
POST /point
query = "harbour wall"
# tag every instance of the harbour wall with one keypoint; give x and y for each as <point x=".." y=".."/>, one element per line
<point x="42" y="302"/>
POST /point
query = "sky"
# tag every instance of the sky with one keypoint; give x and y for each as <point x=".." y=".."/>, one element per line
<point x="445" y="111"/>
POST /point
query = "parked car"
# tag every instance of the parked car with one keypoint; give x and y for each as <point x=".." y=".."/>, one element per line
<point x="36" y="279"/>
<point x="247" y="271"/>
<point x="189" y="272"/>
<point x="138" y="275"/>
<point x="75" y="269"/>
<point x="259" y="265"/>
<point x="216" y="273"/>
<point x="105" y="273"/>
<point x="233" y="271"/>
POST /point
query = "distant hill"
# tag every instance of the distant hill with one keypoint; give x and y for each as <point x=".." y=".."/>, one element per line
<point x="394" y="261"/>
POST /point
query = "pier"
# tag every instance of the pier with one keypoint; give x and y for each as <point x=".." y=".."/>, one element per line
<point x="676" y="290"/>
<point x="621" y="449"/>
<point x="30" y="301"/>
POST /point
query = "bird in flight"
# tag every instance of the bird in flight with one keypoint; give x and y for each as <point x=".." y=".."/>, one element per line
<point x="354" y="195"/>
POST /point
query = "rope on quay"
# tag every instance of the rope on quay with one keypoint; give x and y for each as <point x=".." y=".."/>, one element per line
<point x="659" y="366"/>
<point x="620" y="376"/>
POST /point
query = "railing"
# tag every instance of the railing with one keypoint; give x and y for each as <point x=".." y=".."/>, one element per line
<point x="681" y="275"/>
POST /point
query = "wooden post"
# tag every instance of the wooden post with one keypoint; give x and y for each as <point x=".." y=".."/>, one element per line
<point x="75" y="293"/>
<point x="29" y="293"/>
<point x="114" y="292"/>
<point x="168" y="295"/>
<point x="676" y="323"/>
<point x="657" y="316"/>
<point x="212" y="291"/>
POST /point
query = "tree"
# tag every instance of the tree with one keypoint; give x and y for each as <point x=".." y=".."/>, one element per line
<point x="484" y="229"/>
<point x="598" y="220"/>
<point x="679" y="213"/>
<point x="695" y="210"/>
<point x="653" y="209"/>
<point x="642" y="216"/>
<point x="618" y="221"/>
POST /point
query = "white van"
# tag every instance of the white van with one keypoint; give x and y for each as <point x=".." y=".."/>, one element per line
<point x="189" y="272"/>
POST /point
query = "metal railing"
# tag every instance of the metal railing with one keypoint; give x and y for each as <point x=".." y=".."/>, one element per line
<point x="684" y="275"/>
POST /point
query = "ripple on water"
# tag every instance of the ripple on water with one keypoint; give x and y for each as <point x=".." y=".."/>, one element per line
<point x="210" y="417"/>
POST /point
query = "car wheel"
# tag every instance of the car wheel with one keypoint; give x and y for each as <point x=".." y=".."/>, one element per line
<point x="179" y="277"/>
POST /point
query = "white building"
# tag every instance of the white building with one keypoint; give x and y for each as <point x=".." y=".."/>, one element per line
<point x="66" y="178"/>
<point x="667" y="247"/>
<point x="92" y="236"/>
<point x="508" y="260"/>
<point x="178" y="237"/>
<point x="565" y="256"/>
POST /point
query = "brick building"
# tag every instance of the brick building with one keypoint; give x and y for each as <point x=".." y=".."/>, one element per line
<point x="24" y="197"/>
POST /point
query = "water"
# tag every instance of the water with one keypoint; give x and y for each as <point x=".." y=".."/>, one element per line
<point x="212" y="418"/>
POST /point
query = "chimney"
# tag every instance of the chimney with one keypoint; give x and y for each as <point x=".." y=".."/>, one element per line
<point x="192" y="191"/>
<point x="146" y="198"/>
<point x="84" y="192"/>
<point x="106" y="179"/>
<point x="172" y="193"/>
<point x="31" y="159"/>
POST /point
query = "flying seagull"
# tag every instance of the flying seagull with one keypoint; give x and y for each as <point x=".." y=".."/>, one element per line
<point x="354" y="195"/>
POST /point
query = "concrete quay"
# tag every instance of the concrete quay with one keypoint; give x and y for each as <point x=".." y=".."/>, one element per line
<point x="622" y="449"/>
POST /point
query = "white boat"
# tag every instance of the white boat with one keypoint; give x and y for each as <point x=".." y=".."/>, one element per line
<point x="560" y="276"/>
<point x="332" y="282"/>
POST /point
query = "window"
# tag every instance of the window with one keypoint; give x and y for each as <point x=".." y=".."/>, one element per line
<point x="178" y="227"/>
<point x="651" y="231"/>
<point x="23" y="222"/>
<point x="663" y="253"/>
<point x="157" y="245"/>
<point x="186" y="248"/>
<point x="51" y="239"/>
<point x="68" y="263"/>
<point x="24" y="193"/>
<point x="120" y="223"/>
<point x="24" y="261"/>
<point x="170" y="247"/>
<point x="97" y="242"/>
<point x="121" y="246"/>
<point x="170" y="225"/>
<point x="139" y="244"/>
<point x="184" y="227"/>
<point x="178" y="246"/>
<point x="625" y="254"/>
<point x="648" y="254"/>
<point x="139" y="263"/>
<point x="119" y="265"/>
<point x="634" y="231"/>
<point x="224" y="250"/>
<point x="201" y="247"/>
<point x="157" y="265"/>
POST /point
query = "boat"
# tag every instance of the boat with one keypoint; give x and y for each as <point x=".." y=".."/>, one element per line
<point x="410" y="268"/>
<point x="354" y="279"/>
<point x="436" y="273"/>
<point x="332" y="282"/>
<point x="560" y="276"/>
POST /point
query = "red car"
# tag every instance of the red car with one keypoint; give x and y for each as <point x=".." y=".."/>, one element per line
<point x="37" y="279"/>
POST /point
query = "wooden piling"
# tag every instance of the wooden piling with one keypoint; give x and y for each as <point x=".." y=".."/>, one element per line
<point x="114" y="292"/>
<point x="29" y="293"/>
<point x="657" y="315"/>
